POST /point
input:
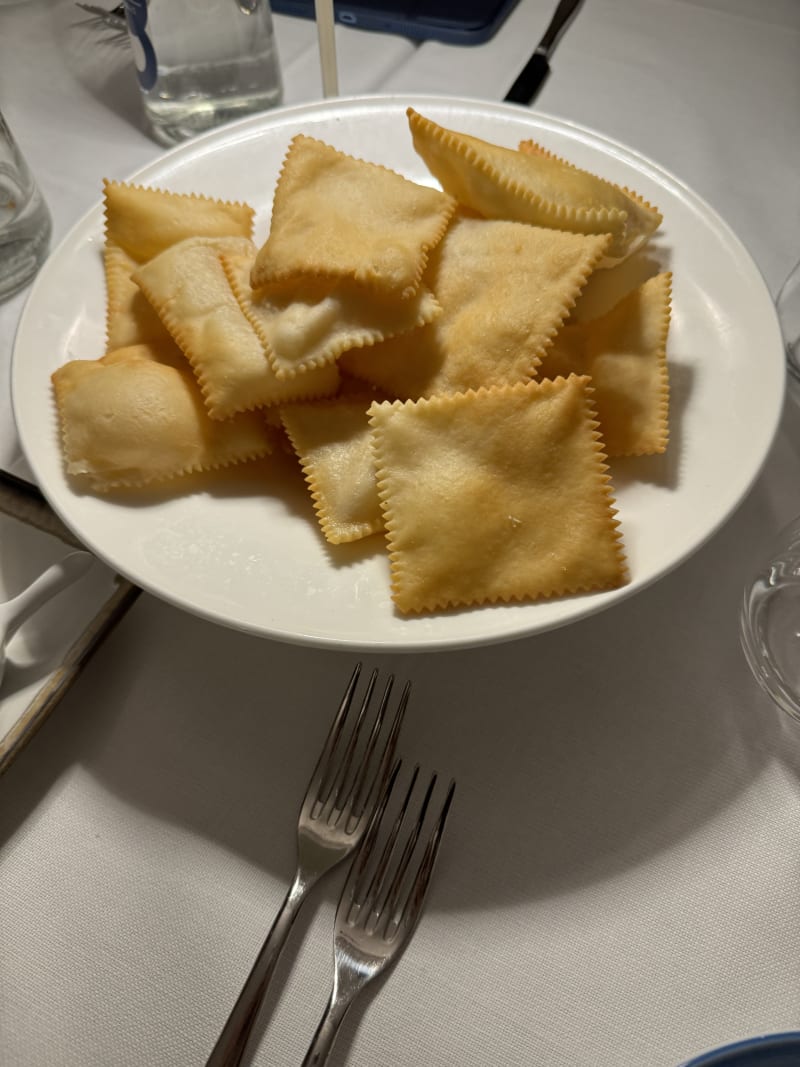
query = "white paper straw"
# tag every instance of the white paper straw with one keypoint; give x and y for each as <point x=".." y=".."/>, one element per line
<point x="327" y="47"/>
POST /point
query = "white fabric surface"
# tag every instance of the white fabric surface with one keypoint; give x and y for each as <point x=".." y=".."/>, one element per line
<point x="620" y="880"/>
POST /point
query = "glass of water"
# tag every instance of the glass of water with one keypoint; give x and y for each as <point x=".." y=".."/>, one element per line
<point x="202" y="63"/>
<point x="25" y="224"/>
<point x="770" y="614"/>
<point x="770" y="621"/>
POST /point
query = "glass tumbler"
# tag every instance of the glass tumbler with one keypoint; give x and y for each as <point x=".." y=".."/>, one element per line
<point x="770" y="621"/>
<point x="770" y="613"/>
<point x="25" y="224"/>
<point x="202" y="63"/>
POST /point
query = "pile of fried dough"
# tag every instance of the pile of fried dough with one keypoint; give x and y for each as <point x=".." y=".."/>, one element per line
<point x="414" y="346"/>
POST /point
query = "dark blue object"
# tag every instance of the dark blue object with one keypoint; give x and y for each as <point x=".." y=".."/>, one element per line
<point x="773" y="1050"/>
<point x="451" y="21"/>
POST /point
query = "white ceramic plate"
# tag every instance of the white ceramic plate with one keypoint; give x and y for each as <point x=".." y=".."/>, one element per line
<point x="255" y="560"/>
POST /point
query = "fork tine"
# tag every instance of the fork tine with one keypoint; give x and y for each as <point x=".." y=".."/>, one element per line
<point x="342" y="797"/>
<point x="372" y="895"/>
<point x="315" y="785"/>
<point x="368" y="841"/>
<point x="364" y="792"/>
<point x="387" y="917"/>
<point x="412" y="906"/>
<point x="392" y="895"/>
<point x="334" y="787"/>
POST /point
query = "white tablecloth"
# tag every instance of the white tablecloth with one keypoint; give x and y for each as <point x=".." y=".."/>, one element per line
<point x="619" y="884"/>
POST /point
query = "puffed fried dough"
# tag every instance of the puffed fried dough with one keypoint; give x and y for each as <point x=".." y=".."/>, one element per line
<point x="576" y="186"/>
<point x="130" y="318"/>
<point x="536" y="188"/>
<point x="625" y="353"/>
<point x="308" y="322"/>
<point x="128" y="420"/>
<point x="333" y="443"/>
<point x="144" y="221"/>
<point x="163" y="351"/>
<point x="189" y="289"/>
<point x="496" y="495"/>
<point x="505" y="288"/>
<point x="341" y="217"/>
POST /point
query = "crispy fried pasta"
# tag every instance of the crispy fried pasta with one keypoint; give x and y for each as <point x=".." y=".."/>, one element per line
<point x="414" y="348"/>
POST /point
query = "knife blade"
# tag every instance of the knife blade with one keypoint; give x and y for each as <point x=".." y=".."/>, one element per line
<point x="533" y="74"/>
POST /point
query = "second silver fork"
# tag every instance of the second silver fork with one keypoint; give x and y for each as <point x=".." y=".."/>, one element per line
<point x="380" y="905"/>
<point x="335" y="813"/>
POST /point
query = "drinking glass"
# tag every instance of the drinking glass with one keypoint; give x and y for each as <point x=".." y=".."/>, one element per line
<point x="202" y="63"/>
<point x="770" y="613"/>
<point x="25" y="224"/>
<point x="770" y="621"/>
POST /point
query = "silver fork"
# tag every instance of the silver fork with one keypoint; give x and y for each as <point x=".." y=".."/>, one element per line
<point x="345" y="787"/>
<point x="379" y="908"/>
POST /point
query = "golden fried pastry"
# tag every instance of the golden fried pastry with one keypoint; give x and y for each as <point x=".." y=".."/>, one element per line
<point x="165" y="351"/>
<point x="129" y="420"/>
<point x="496" y="495"/>
<point x="332" y="440"/>
<point x="340" y="217"/>
<point x="189" y="289"/>
<point x="491" y="487"/>
<point x="505" y="288"/>
<point x="625" y="353"/>
<point x="130" y="318"/>
<point x="308" y="322"/>
<point x="144" y="221"/>
<point x="532" y="186"/>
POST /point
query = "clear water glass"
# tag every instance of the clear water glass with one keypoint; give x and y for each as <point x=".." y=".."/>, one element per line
<point x="25" y="224"/>
<point x="202" y="63"/>
<point x="770" y="621"/>
<point x="770" y="613"/>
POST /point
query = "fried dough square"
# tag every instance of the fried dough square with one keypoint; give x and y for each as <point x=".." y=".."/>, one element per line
<point x="189" y="289"/>
<point x="164" y="351"/>
<point x="333" y="443"/>
<point x="495" y="495"/>
<point x="144" y="221"/>
<point x="532" y="186"/>
<point x="308" y="322"/>
<point x="337" y="216"/>
<point x="505" y="288"/>
<point x="625" y="353"/>
<point x="129" y="420"/>
<point x="130" y="318"/>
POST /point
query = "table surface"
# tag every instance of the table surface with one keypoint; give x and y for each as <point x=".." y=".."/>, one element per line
<point x="619" y="883"/>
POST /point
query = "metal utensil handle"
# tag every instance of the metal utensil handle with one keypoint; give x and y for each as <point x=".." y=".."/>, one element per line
<point x="231" y="1044"/>
<point x="325" y="1036"/>
<point x="563" y="13"/>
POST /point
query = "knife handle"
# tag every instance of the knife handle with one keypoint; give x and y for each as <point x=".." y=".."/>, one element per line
<point x="558" y="23"/>
<point x="529" y="80"/>
<point x="537" y="68"/>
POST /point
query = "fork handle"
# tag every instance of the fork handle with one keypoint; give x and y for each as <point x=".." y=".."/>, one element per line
<point x="322" y="1043"/>
<point x="231" y="1043"/>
